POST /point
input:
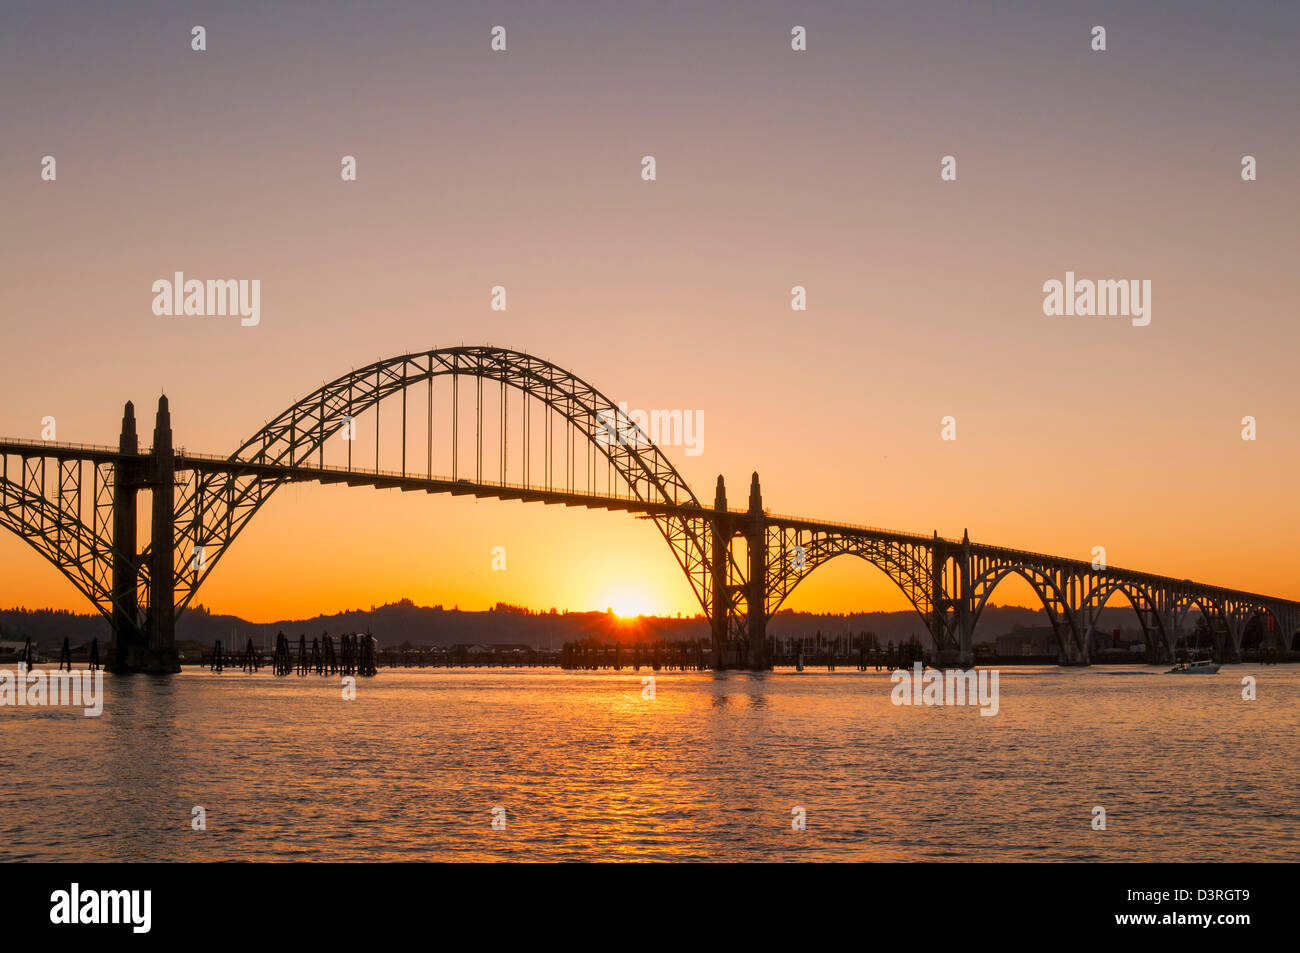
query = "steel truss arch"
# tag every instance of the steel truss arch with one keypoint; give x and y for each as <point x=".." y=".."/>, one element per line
<point x="1272" y="622"/>
<point x="1143" y="602"/>
<point x="55" y="529"/>
<point x="1215" y="612"/>
<point x="1052" y="589"/>
<point x="215" y="506"/>
<point x="907" y="564"/>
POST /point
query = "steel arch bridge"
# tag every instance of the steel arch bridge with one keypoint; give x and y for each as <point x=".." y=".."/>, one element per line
<point x="565" y="443"/>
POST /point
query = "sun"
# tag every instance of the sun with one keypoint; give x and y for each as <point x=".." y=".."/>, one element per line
<point x="628" y="604"/>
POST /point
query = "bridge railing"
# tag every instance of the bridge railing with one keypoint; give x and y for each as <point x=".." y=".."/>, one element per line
<point x="855" y="527"/>
<point x="56" y="446"/>
<point x="227" y="464"/>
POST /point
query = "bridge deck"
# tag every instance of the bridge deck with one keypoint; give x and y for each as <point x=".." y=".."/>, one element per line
<point x="408" y="482"/>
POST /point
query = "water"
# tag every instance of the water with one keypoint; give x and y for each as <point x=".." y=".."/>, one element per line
<point x="710" y="769"/>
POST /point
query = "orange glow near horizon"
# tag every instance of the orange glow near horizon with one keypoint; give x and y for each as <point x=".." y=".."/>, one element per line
<point x="631" y="605"/>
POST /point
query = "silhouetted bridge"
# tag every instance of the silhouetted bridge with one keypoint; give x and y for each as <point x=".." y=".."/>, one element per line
<point x="78" y="506"/>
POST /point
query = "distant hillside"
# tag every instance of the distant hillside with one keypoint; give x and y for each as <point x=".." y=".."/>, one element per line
<point x="49" y="627"/>
<point x="404" y="621"/>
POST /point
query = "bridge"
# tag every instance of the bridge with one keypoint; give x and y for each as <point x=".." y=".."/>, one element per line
<point x="79" y="507"/>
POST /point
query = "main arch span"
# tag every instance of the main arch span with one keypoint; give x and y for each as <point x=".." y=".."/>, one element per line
<point x="497" y="423"/>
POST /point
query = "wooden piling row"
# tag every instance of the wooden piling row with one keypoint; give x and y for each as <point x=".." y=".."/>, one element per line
<point x="862" y="651"/>
<point x="657" y="655"/>
<point x="357" y="655"/>
<point x="282" y="661"/>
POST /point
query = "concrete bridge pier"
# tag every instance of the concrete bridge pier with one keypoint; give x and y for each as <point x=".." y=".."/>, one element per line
<point x="960" y="652"/>
<point x="719" y="597"/>
<point x="128" y="642"/>
<point x="963" y="654"/>
<point x="951" y="621"/>
<point x="756" y="542"/>
<point x="160" y="655"/>
<point x="1228" y="648"/>
<point x="151" y="647"/>
<point x="1072" y="651"/>
<point x="728" y="651"/>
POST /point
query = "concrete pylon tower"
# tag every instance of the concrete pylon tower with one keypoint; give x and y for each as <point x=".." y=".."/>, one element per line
<point x="719" y="599"/>
<point x="126" y="612"/>
<point x="756" y="541"/>
<point x="161" y="655"/>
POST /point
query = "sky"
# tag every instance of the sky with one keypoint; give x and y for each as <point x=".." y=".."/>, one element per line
<point x="774" y="168"/>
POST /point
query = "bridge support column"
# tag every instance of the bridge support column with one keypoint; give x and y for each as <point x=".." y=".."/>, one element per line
<point x="1164" y="649"/>
<point x="951" y="619"/>
<point x="160" y="657"/>
<point x="756" y="540"/>
<point x="965" y="607"/>
<point x="720" y="601"/>
<point x="1069" y="636"/>
<point x="128" y="646"/>
<point x="1230" y="651"/>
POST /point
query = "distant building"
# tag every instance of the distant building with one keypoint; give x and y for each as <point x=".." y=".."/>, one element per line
<point x="1118" y="642"/>
<point x="1026" y="640"/>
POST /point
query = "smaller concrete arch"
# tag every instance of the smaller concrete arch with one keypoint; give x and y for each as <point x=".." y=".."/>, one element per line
<point x="1143" y="603"/>
<point x="1215" y="612"/>
<point x="901" y="568"/>
<point x="1273" y="625"/>
<point x="1049" y="592"/>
